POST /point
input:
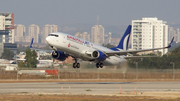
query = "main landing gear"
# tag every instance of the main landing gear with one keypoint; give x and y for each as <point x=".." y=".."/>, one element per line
<point x="76" y="64"/>
<point x="99" y="65"/>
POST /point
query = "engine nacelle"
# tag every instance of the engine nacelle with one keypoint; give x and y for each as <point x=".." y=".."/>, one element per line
<point x="59" y="55"/>
<point x="99" y="55"/>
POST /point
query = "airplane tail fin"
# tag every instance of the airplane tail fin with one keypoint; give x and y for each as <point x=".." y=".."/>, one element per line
<point x="31" y="43"/>
<point x="170" y="43"/>
<point x="123" y="44"/>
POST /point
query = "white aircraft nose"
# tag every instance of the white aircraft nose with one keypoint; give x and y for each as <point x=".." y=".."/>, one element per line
<point x="47" y="39"/>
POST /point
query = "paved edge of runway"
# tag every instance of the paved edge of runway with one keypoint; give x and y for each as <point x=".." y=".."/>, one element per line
<point x="86" y="80"/>
<point x="162" y="95"/>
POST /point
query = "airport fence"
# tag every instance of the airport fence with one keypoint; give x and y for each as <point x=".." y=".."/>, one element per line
<point x="101" y="73"/>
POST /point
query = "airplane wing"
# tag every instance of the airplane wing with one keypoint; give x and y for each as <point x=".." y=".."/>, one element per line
<point x="125" y="52"/>
<point x="139" y="57"/>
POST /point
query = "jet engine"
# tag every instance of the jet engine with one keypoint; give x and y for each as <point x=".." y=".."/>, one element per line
<point x="99" y="55"/>
<point x="59" y="55"/>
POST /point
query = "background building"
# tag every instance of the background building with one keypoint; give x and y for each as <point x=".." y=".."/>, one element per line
<point x="78" y="34"/>
<point x="47" y="29"/>
<point x="97" y="34"/>
<point x="172" y="33"/>
<point x="178" y="35"/>
<point x="11" y="46"/>
<point x="2" y="22"/>
<point x="6" y="29"/>
<point x="19" y="33"/>
<point x="33" y="32"/>
<point x="149" y="33"/>
<point x="84" y="36"/>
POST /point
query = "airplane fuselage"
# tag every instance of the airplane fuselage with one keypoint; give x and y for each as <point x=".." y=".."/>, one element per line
<point x="80" y="48"/>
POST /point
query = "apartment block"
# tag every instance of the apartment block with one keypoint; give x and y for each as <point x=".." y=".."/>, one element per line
<point x="19" y="33"/>
<point x="33" y="32"/>
<point x="84" y="36"/>
<point x="97" y="34"/>
<point x="47" y="29"/>
<point x="6" y="30"/>
<point x="149" y="33"/>
<point x="178" y="35"/>
<point x="172" y="33"/>
<point x="2" y="22"/>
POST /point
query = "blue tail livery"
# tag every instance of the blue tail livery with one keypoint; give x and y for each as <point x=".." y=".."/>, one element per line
<point x="123" y="44"/>
<point x="31" y="42"/>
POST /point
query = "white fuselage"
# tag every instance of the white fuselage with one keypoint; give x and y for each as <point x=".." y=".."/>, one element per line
<point x="80" y="48"/>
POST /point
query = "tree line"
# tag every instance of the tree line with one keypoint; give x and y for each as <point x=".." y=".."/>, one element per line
<point x="163" y="62"/>
<point x="159" y="62"/>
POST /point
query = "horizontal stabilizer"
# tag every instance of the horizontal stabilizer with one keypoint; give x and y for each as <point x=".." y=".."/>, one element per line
<point x="37" y="48"/>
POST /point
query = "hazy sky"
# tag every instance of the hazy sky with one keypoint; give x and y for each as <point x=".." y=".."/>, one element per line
<point x="71" y="12"/>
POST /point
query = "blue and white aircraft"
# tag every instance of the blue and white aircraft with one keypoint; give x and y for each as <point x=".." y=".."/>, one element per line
<point x="64" y="45"/>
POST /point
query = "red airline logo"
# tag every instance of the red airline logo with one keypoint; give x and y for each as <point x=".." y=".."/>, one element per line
<point x="69" y="45"/>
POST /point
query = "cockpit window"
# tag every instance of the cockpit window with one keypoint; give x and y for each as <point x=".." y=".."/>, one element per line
<point x="53" y="35"/>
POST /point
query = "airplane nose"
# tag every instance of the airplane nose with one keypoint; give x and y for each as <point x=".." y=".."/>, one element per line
<point x="47" y="39"/>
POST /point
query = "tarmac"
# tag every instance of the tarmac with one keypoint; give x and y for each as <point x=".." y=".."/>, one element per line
<point x="91" y="88"/>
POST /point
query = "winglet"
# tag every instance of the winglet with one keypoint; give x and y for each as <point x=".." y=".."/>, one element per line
<point x="31" y="42"/>
<point x="170" y="43"/>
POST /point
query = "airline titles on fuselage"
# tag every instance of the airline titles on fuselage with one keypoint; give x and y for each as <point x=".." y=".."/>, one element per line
<point x="80" y="41"/>
<point x="74" y="39"/>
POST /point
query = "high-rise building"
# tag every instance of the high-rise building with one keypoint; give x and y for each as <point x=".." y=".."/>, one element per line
<point x="19" y="33"/>
<point x="178" y="35"/>
<point x="33" y="32"/>
<point x="78" y="34"/>
<point x="6" y="30"/>
<point x="2" y="22"/>
<point x="109" y="38"/>
<point x="84" y="36"/>
<point x="97" y="34"/>
<point x="149" y="33"/>
<point x="47" y="29"/>
<point x="171" y="34"/>
<point x="20" y="30"/>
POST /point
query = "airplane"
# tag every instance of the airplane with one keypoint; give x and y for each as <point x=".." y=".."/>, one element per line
<point x="63" y="45"/>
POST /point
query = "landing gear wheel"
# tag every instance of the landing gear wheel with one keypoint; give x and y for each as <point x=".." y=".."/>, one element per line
<point x="97" y="65"/>
<point x="101" y="65"/>
<point x="78" y="65"/>
<point x="74" y="65"/>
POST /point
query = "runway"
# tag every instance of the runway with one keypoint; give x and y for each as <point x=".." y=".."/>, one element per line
<point x="99" y="88"/>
